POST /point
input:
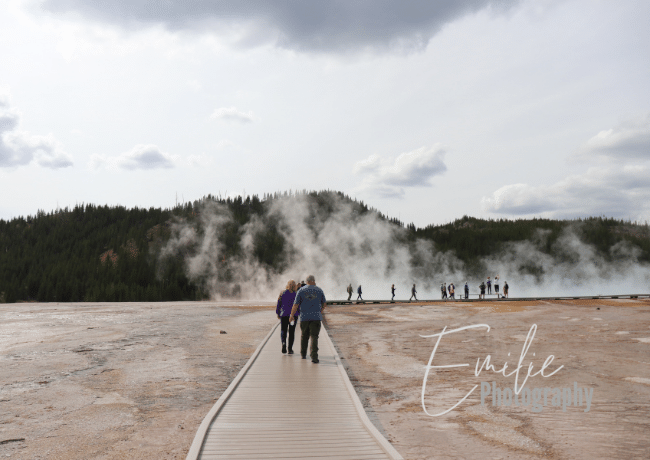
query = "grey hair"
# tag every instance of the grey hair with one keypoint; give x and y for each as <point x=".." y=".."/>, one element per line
<point x="311" y="279"/>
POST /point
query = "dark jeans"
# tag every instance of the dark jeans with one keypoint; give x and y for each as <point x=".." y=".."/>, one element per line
<point x="284" y="325"/>
<point x="309" y="329"/>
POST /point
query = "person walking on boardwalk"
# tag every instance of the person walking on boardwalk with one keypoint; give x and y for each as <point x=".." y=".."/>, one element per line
<point x="349" y="291"/>
<point x="482" y="288"/>
<point x="452" y="291"/>
<point x="311" y="302"/>
<point x="466" y="290"/>
<point x="359" y="293"/>
<point x="283" y="310"/>
<point x="392" y="291"/>
<point x="443" y="291"/>
<point x="413" y="292"/>
<point x="489" y="286"/>
<point x="505" y="289"/>
<point x="496" y="286"/>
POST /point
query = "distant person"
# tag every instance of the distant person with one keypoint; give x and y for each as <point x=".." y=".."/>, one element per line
<point x="392" y="291"/>
<point x="505" y="289"/>
<point x="311" y="302"/>
<point x="466" y="290"/>
<point x="452" y="291"/>
<point x="359" y="293"/>
<point x="443" y="291"/>
<point x="283" y="311"/>
<point x="496" y="286"/>
<point x="413" y="292"/>
<point x="349" y="291"/>
<point x="489" y="286"/>
<point x="482" y="288"/>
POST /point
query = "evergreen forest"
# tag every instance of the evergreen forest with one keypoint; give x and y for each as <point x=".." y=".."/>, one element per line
<point x="96" y="253"/>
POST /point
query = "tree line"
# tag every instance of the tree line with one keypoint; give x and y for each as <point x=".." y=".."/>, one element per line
<point x="96" y="253"/>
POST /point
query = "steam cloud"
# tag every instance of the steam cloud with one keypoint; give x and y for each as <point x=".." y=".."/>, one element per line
<point x="344" y="247"/>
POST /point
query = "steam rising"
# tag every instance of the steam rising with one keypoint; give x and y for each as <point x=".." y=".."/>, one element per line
<point x="344" y="246"/>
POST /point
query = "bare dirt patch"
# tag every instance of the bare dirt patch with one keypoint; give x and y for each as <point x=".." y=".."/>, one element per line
<point x="603" y="346"/>
<point x="117" y="381"/>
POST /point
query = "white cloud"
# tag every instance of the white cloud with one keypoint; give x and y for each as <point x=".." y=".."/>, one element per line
<point x="518" y="199"/>
<point x="388" y="178"/>
<point x="232" y="114"/>
<point x="147" y="157"/>
<point x="627" y="140"/>
<point x="622" y="192"/>
<point x="19" y="148"/>
<point x="618" y="184"/>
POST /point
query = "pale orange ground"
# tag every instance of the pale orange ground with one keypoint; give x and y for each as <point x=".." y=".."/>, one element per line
<point x="602" y="344"/>
<point x="117" y="381"/>
<point x="134" y="381"/>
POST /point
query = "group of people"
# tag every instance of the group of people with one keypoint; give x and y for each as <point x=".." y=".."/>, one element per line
<point x="306" y="301"/>
<point x="392" y="291"/>
<point x="485" y="285"/>
<point x="451" y="289"/>
<point x="448" y="291"/>
<point x="488" y="285"/>
<point x="359" y="292"/>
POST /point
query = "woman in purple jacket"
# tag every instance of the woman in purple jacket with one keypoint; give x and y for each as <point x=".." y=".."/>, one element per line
<point x="283" y="310"/>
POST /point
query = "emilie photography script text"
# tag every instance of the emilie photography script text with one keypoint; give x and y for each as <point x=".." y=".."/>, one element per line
<point x="544" y="371"/>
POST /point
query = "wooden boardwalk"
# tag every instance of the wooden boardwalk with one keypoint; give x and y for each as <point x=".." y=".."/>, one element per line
<point x="489" y="298"/>
<point x="282" y="406"/>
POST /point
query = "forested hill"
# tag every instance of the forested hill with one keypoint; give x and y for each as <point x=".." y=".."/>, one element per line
<point x="101" y="253"/>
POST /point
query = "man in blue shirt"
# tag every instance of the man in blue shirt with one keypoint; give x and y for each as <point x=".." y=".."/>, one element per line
<point x="311" y="300"/>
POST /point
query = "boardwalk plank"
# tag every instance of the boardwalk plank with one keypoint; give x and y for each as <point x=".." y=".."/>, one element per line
<point x="281" y="406"/>
<point x="300" y="455"/>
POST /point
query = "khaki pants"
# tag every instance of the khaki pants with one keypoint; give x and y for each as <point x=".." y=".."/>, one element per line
<point x="309" y="329"/>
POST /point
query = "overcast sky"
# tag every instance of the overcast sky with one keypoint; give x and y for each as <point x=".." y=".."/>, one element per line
<point x="424" y="110"/>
